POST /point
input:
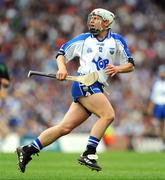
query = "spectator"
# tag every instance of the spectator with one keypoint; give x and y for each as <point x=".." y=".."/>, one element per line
<point x="4" y="76"/>
<point x="157" y="103"/>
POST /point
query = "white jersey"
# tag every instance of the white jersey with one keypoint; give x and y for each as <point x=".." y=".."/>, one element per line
<point x="94" y="54"/>
<point x="158" y="93"/>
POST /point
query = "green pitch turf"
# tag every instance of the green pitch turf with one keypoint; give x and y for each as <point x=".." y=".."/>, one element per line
<point x="61" y="166"/>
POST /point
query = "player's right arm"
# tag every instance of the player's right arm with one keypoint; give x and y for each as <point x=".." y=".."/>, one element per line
<point x="62" y="70"/>
<point x="67" y="52"/>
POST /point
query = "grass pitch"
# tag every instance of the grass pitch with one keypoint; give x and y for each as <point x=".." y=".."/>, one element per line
<point x="62" y="166"/>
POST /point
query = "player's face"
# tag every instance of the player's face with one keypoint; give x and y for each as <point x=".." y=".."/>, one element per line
<point x="95" y="21"/>
<point x="95" y="24"/>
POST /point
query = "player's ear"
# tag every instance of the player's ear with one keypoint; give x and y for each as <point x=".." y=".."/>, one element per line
<point x="106" y="24"/>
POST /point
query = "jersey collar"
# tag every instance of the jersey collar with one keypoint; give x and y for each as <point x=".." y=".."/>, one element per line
<point x="106" y="37"/>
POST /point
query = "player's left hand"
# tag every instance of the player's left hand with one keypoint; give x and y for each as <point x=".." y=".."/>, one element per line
<point x="111" y="70"/>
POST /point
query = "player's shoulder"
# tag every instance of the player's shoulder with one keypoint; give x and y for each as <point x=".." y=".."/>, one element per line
<point x="76" y="40"/>
<point x="83" y="36"/>
<point x="117" y="36"/>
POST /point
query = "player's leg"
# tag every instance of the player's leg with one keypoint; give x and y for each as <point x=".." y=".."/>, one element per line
<point x="75" y="116"/>
<point x="99" y="105"/>
<point x="159" y="116"/>
<point x="161" y="130"/>
<point x="162" y="124"/>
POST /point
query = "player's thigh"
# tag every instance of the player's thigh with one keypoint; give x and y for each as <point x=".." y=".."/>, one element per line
<point x="98" y="104"/>
<point x="76" y="115"/>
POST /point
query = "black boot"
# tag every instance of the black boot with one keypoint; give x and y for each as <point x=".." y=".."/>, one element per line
<point x="88" y="158"/>
<point x="24" y="156"/>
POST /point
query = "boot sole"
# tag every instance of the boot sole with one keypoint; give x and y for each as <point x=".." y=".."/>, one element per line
<point x="18" y="150"/>
<point x="90" y="167"/>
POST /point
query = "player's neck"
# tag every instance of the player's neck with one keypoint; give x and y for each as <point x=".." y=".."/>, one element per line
<point x="102" y="35"/>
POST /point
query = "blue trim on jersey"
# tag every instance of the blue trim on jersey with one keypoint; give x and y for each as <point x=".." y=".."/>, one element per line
<point x="79" y="89"/>
<point x="81" y="37"/>
<point x="123" y="42"/>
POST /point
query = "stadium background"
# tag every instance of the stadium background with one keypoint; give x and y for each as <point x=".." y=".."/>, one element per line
<point x="31" y="32"/>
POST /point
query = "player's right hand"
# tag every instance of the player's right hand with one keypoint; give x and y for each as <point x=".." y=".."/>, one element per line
<point x="61" y="74"/>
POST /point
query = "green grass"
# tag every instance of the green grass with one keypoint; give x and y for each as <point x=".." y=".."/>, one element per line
<point x="61" y="166"/>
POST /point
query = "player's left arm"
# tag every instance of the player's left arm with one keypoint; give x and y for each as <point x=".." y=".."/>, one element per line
<point x="113" y="70"/>
<point x="124" y="55"/>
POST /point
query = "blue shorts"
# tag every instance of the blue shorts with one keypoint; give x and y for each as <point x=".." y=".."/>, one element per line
<point x="159" y="112"/>
<point x="79" y="90"/>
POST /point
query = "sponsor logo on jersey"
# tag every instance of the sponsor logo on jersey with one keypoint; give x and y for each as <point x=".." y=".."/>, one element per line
<point x="100" y="63"/>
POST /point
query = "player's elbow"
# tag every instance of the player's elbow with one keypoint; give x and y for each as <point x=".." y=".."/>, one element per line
<point x="132" y="68"/>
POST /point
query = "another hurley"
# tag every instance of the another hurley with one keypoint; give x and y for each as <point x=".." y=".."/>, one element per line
<point x="87" y="79"/>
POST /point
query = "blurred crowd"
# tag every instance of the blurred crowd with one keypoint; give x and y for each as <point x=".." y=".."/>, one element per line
<point x="31" y="33"/>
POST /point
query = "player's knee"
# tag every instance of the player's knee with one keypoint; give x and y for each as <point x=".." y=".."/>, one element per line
<point x="109" y="117"/>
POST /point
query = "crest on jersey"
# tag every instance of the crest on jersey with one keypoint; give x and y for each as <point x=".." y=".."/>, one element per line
<point x="89" y="50"/>
<point x="111" y="50"/>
